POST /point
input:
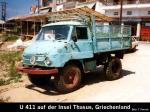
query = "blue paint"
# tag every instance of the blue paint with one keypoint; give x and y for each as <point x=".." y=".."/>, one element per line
<point x="60" y="51"/>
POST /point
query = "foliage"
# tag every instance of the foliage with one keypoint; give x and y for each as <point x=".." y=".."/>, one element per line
<point x="8" y="37"/>
<point x="10" y="58"/>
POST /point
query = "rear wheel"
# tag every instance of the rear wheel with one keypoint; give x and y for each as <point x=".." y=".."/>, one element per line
<point x="134" y="49"/>
<point x="38" y="80"/>
<point x="113" y="69"/>
<point x="69" y="79"/>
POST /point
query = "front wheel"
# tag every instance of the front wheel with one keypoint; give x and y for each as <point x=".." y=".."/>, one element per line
<point x="38" y="80"/>
<point x="69" y="79"/>
<point x="113" y="69"/>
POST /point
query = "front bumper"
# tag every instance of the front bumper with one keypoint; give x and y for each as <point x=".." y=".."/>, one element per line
<point x="38" y="71"/>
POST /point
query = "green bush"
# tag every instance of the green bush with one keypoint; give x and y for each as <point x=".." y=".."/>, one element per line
<point x="2" y="82"/>
<point x="8" y="37"/>
<point x="9" y="58"/>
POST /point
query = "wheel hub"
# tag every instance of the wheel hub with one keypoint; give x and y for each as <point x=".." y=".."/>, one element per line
<point x="70" y="79"/>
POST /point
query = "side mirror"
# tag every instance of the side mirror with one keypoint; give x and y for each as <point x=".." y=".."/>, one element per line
<point x="74" y="38"/>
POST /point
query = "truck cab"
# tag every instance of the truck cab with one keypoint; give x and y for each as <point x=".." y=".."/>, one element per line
<point x="57" y="46"/>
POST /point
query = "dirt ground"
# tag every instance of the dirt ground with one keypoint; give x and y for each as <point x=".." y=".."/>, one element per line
<point x="133" y="87"/>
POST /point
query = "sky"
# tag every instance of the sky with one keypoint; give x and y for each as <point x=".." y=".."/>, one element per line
<point x="18" y="7"/>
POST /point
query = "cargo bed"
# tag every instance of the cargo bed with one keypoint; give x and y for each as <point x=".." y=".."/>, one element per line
<point x="112" y="38"/>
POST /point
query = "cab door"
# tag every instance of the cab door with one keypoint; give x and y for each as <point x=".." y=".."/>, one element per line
<point x="82" y="48"/>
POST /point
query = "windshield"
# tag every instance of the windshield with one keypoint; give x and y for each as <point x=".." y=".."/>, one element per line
<point x="53" y="33"/>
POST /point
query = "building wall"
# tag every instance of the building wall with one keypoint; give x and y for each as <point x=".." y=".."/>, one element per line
<point x="45" y="3"/>
<point x="145" y="31"/>
<point x="137" y="19"/>
<point x="116" y="2"/>
<point x="135" y="12"/>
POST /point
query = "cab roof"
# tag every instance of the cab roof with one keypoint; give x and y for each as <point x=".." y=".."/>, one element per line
<point x="74" y="23"/>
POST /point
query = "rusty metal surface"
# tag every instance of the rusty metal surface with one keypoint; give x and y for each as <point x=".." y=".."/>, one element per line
<point x="37" y="71"/>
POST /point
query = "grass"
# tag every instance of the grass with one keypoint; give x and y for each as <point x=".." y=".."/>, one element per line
<point x="8" y="37"/>
<point x="2" y="82"/>
<point x="9" y="59"/>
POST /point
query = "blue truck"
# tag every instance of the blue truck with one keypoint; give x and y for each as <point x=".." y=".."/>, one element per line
<point x="64" y="51"/>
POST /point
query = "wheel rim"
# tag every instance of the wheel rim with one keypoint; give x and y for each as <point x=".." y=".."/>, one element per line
<point x="70" y="79"/>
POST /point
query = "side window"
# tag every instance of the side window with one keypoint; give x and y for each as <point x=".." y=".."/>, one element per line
<point x="81" y="32"/>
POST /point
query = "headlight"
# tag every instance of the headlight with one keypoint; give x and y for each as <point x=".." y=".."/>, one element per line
<point x="32" y="60"/>
<point x="47" y="61"/>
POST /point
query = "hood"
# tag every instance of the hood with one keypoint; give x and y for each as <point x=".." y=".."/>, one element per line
<point x="45" y="47"/>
